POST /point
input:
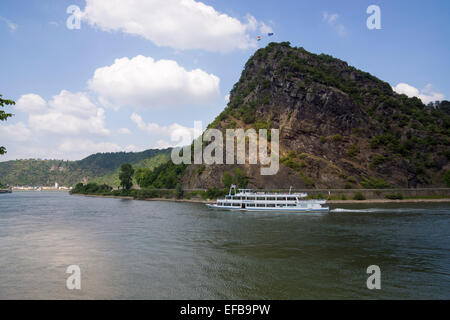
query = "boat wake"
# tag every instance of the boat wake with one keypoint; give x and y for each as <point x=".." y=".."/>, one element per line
<point x="378" y="210"/>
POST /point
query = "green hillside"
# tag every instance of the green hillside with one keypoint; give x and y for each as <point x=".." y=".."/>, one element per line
<point x="100" y="167"/>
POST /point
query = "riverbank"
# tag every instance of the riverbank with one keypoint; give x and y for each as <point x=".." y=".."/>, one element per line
<point x="367" y="201"/>
<point x="145" y="199"/>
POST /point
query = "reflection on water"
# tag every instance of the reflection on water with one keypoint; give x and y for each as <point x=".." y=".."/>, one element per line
<point x="161" y="250"/>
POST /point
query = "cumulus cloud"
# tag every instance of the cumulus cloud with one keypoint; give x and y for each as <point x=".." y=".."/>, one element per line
<point x="427" y="94"/>
<point x="68" y="113"/>
<point x="68" y="126"/>
<point x="17" y="132"/>
<point x="31" y="103"/>
<point x="124" y="131"/>
<point x="332" y="20"/>
<point x="142" y="81"/>
<point x="179" y="135"/>
<point x="180" y="24"/>
<point x="88" y="147"/>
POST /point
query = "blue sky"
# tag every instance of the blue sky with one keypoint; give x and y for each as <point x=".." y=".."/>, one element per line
<point x="67" y="110"/>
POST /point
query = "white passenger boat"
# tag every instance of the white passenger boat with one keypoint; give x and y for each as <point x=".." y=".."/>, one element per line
<point x="247" y="200"/>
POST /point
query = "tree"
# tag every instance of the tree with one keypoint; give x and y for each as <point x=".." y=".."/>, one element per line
<point x="179" y="190"/>
<point x="4" y="116"/>
<point x="144" y="177"/>
<point x="446" y="178"/>
<point x="241" y="179"/>
<point x="227" y="180"/>
<point x="126" y="176"/>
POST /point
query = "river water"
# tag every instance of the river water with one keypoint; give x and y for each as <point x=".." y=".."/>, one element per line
<point x="130" y="249"/>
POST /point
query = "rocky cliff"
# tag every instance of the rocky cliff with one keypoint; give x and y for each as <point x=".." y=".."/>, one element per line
<point x="339" y="127"/>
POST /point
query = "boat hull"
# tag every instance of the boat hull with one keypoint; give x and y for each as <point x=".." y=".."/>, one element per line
<point x="293" y="210"/>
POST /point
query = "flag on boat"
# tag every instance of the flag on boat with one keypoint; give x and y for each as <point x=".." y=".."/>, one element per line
<point x="259" y="38"/>
<point x="270" y="34"/>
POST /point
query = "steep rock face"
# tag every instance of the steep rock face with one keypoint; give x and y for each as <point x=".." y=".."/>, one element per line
<point x="339" y="126"/>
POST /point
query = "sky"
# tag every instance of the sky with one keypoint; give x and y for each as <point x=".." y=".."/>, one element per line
<point x="137" y="73"/>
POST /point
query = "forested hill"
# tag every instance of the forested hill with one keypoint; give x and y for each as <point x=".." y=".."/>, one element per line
<point x="99" y="167"/>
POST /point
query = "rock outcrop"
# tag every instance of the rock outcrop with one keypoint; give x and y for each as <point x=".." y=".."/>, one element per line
<point x="339" y="127"/>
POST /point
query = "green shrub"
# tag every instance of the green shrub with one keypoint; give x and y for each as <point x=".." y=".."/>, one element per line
<point x="446" y="178"/>
<point x="303" y="156"/>
<point x="323" y="139"/>
<point x="353" y="150"/>
<point x="266" y="84"/>
<point x="379" y="159"/>
<point x="352" y="179"/>
<point x="201" y="169"/>
<point x="179" y="190"/>
<point x="384" y="139"/>
<point x="214" y="193"/>
<point x="241" y="179"/>
<point x="374" y="183"/>
<point x="394" y="196"/>
<point x="359" y="196"/>
<point x="337" y="138"/>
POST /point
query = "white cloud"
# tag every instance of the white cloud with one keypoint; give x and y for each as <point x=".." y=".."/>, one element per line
<point x="253" y="25"/>
<point x="88" y="147"/>
<point x="70" y="113"/>
<point x="31" y="103"/>
<point x="180" y="24"/>
<point x="332" y="20"/>
<point x="65" y="114"/>
<point x="124" y="131"/>
<point x="265" y="29"/>
<point x="427" y="95"/>
<point x="142" y="81"/>
<point x="12" y="26"/>
<point x="17" y="132"/>
<point x="179" y="135"/>
<point x="163" y="144"/>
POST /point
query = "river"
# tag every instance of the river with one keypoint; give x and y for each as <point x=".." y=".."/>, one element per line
<point x="130" y="249"/>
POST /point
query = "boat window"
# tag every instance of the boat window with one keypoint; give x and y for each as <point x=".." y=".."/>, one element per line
<point x="236" y="204"/>
<point x="250" y="205"/>
<point x="281" y="205"/>
<point x="261" y="198"/>
<point x="271" y="198"/>
<point x="261" y="205"/>
<point x="271" y="205"/>
<point x="227" y="204"/>
<point x="250" y="198"/>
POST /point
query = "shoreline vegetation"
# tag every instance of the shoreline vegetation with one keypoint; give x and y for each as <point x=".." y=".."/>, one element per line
<point x="335" y="196"/>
